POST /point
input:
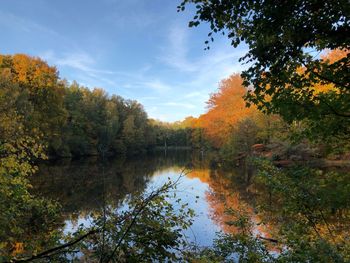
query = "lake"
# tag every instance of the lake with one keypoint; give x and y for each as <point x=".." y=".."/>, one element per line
<point x="83" y="186"/>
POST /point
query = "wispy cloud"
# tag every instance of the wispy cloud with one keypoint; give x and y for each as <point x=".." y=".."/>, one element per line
<point x="78" y="60"/>
<point x="138" y="82"/>
<point x="91" y="75"/>
<point x="155" y="113"/>
<point x="136" y="49"/>
<point x="179" y="104"/>
<point x="176" y="52"/>
<point x="13" y="21"/>
<point x="157" y="85"/>
<point x="124" y="14"/>
<point x="197" y="75"/>
<point x="147" y="98"/>
<point x="198" y="72"/>
<point x="193" y="94"/>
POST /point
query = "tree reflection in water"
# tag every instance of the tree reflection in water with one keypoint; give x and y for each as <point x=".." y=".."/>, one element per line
<point x="87" y="188"/>
<point x="84" y="186"/>
<point x="80" y="188"/>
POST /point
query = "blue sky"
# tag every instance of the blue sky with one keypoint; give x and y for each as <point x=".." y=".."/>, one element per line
<point x="139" y="49"/>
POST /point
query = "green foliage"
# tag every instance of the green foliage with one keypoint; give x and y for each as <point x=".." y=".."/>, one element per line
<point x="173" y="134"/>
<point x="307" y="203"/>
<point x="97" y="123"/>
<point x="284" y="40"/>
<point x="240" y="247"/>
<point x="71" y="120"/>
<point x="149" y="228"/>
<point x="307" y="214"/>
<point x="24" y="218"/>
<point x="243" y="137"/>
<point x="287" y="76"/>
<point x="30" y="225"/>
<point x="258" y="129"/>
<point x="199" y="140"/>
<point x="40" y="115"/>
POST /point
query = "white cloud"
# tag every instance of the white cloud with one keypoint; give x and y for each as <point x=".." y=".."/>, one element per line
<point x="153" y="112"/>
<point x="193" y="94"/>
<point x="197" y="75"/>
<point x="123" y="58"/>
<point x="196" y="95"/>
<point x="86" y="68"/>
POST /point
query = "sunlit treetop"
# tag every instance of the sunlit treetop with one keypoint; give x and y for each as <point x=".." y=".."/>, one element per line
<point x="30" y="71"/>
<point x="226" y="108"/>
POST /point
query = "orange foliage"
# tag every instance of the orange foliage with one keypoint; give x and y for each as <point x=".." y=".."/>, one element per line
<point x="226" y="108"/>
<point x="331" y="57"/>
<point x="30" y="71"/>
<point x="223" y="196"/>
<point x="335" y="55"/>
<point x="18" y="248"/>
<point x="202" y="174"/>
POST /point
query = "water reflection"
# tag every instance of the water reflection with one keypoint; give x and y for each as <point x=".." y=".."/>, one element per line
<point x="230" y="191"/>
<point x="230" y="197"/>
<point x="84" y="186"/>
<point x="80" y="185"/>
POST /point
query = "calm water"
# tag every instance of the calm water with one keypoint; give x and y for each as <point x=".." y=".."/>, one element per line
<point x="80" y="186"/>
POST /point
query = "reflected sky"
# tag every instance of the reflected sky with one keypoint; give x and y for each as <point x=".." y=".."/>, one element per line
<point x="84" y="186"/>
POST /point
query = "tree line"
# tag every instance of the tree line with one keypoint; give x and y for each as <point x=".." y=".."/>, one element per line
<point x="73" y="120"/>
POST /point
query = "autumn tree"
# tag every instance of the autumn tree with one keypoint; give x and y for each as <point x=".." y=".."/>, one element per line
<point x="19" y="147"/>
<point x="46" y="114"/>
<point x="282" y="37"/>
<point x="70" y="119"/>
<point x="226" y="108"/>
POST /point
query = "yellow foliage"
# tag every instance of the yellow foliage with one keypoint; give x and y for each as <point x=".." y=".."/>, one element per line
<point x="30" y="71"/>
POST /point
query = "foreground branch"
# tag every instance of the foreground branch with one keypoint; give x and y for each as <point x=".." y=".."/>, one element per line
<point x="52" y="250"/>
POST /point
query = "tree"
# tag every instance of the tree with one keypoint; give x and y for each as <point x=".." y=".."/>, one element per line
<point x="284" y="37"/>
<point x="21" y="212"/>
<point x="226" y="108"/>
<point x="74" y="135"/>
<point x="70" y="119"/>
<point x="39" y="82"/>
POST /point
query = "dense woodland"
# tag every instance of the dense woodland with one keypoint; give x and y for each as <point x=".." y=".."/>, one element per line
<point x="72" y="120"/>
<point x="287" y="115"/>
